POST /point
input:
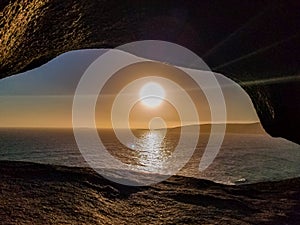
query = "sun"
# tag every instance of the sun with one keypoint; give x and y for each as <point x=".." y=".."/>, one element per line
<point x="152" y="94"/>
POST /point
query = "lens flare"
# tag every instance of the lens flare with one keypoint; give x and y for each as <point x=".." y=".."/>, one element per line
<point x="94" y="150"/>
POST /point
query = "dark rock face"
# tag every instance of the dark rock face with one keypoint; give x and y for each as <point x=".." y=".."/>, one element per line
<point x="44" y="194"/>
<point x="245" y="41"/>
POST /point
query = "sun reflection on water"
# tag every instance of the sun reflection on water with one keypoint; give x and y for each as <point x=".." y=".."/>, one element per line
<point x="152" y="150"/>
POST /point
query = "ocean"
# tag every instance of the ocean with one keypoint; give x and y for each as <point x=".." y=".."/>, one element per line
<point x="243" y="157"/>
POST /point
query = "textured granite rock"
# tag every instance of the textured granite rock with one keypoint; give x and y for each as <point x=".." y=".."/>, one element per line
<point x="44" y="194"/>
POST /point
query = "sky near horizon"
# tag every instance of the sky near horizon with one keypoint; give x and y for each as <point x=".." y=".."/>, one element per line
<point x="43" y="97"/>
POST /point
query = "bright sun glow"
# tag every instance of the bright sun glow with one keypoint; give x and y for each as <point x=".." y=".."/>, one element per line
<point x="152" y="94"/>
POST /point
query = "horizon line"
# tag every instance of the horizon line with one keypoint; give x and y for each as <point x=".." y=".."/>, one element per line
<point x="136" y="128"/>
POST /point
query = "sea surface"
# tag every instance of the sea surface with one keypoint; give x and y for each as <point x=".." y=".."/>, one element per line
<point x="243" y="158"/>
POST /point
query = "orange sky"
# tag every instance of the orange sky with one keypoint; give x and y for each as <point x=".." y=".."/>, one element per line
<point x="31" y="109"/>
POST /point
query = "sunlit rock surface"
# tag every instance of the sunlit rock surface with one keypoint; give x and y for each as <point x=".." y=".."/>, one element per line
<point x="44" y="194"/>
